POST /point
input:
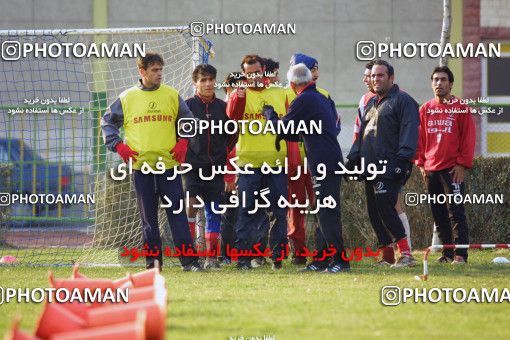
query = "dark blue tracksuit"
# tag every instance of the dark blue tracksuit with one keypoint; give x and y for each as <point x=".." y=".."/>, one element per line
<point x="248" y="226"/>
<point x="311" y="105"/>
<point x="149" y="189"/>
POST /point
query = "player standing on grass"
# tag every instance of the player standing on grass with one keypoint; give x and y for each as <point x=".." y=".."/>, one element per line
<point x="388" y="252"/>
<point x="257" y="149"/>
<point x="149" y="112"/>
<point x="205" y="151"/>
<point x="323" y="150"/>
<point x="302" y="186"/>
<point x="445" y="150"/>
<point x="229" y="218"/>
<point x="388" y="132"/>
<point x="271" y="70"/>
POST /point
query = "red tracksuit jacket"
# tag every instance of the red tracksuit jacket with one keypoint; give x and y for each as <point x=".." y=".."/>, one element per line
<point x="446" y="136"/>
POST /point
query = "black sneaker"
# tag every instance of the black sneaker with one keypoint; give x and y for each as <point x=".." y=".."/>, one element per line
<point x="277" y="265"/>
<point x="315" y="266"/>
<point x="338" y="267"/>
<point x="243" y="266"/>
<point x="193" y="267"/>
<point x="299" y="261"/>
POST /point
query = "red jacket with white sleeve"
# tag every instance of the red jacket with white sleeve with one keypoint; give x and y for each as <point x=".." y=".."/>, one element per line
<point x="446" y="135"/>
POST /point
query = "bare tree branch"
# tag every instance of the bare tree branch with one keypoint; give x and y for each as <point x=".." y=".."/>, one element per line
<point x="445" y="31"/>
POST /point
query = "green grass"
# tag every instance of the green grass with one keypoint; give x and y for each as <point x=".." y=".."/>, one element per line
<point x="288" y="305"/>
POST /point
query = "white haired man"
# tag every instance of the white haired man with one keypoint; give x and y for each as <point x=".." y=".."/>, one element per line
<point x="322" y="149"/>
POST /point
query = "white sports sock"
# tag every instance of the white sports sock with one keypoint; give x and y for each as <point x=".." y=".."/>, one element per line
<point x="407" y="228"/>
<point x="435" y="239"/>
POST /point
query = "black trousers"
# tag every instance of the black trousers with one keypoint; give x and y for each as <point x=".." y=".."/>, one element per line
<point x="228" y="222"/>
<point x="330" y="219"/>
<point x="248" y="225"/>
<point x="449" y="217"/>
<point x="382" y="195"/>
<point x="149" y="189"/>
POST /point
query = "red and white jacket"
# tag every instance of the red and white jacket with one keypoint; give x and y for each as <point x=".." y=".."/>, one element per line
<point x="447" y="135"/>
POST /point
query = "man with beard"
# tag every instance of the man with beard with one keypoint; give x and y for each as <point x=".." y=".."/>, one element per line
<point x="388" y="133"/>
<point x="388" y="253"/>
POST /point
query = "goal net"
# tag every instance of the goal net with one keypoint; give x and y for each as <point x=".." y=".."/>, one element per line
<point x="51" y="142"/>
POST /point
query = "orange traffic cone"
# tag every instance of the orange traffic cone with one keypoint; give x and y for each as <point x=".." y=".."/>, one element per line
<point x="154" y="293"/>
<point x="16" y="334"/>
<point x="145" y="278"/>
<point x="76" y="273"/>
<point x="142" y="294"/>
<point x="109" y="315"/>
<point x="134" y="330"/>
<point x="81" y="283"/>
<point x="124" y="282"/>
<point x="78" y="308"/>
<point x="56" y="319"/>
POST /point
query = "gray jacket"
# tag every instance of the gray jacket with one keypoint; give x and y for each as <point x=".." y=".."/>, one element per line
<point x="388" y="131"/>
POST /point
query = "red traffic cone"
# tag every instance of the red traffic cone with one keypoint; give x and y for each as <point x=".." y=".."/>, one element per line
<point x="16" y="334"/>
<point x="145" y="278"/>
<point x="124" y="282"/>
<point x="81" y="283"/>
<point x="134" y="330"/>
<point x="142" y="294"/>
<point x="56" y="319"/>
<point x="109" y="315"/>
<point x="149" y="293"/>
<point x="79" y="309"/>
<point x="76" y="273"/>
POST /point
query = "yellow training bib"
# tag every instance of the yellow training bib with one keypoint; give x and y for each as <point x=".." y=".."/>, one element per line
<point x="150" y="124"/>
<point x="259" y="148"/>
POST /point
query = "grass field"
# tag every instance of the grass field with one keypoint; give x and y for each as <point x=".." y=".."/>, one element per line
<point x="289" y="305"/>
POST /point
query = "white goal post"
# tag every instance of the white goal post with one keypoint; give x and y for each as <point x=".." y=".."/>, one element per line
<point x="65" y="142"/>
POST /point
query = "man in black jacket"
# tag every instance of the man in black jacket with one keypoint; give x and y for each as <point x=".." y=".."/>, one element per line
<point x="206" y="150"/>
<point x="388" y="137"/>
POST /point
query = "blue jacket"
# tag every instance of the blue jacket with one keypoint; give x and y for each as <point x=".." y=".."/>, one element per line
<point x="311" y="105"/>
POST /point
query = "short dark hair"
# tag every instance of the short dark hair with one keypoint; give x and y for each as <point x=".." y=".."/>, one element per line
<point x="204" y="70"/>
<point x="391" y="70"/>
<point x="233" y="78"/>
<point x="270" y="65"/>
<point x="149" y="59"/>
<point x="251" y="59"/>
<point x="369" y="65"/>
<point x="444" y="69"/>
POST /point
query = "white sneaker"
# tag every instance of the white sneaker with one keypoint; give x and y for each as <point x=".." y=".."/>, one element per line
<point x="212" y="263"/>
<point x="459" y="260"/>
<point x="404" y="261"/>
<point x="257" y="262"/>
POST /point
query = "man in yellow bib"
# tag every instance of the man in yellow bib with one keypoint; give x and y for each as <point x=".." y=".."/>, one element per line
<point x="256" y="149"/>
<point x="149" y="112"/>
